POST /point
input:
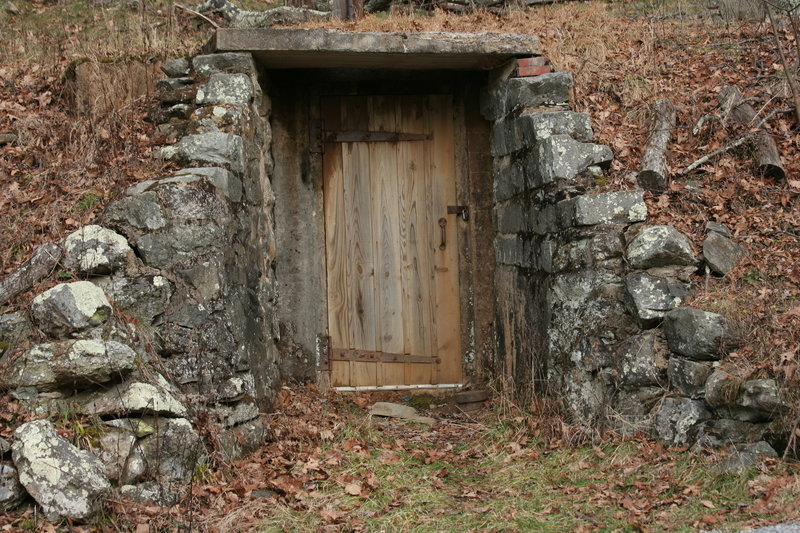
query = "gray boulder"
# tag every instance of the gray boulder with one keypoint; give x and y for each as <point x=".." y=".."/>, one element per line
<point x="755" y="400"/>
<point x="65" y="481"/>
<point x="649" y="298"/>
<point x="560" y="157"/>
<point x="152" y="492"/>
<point x="14" y="327"/>
<point x="142" y="211"/>
<point x="762" y="398"/>
<point x="688" y="377"/>
<point x="632" y="410"/>
<point x="235" y="442"/>
<point x="74" y="364"/>
<point x="136" y="426"/>
<point x="174" y="451"/>
<point x="233" y="415"/>
<point x="726" y="431"/>
<point x="226" y="89"/>
<point x="678" y="420"/>
<point x="716" y="227"/>
<point x="180" y="243"/>
<point x="642" y="360"/>
<point x="215" y="148"/>
<point x="624" y="207"/>
<point x="5" y="446"/>
<point x="657" y="246"/>
<point x="175" y="68"/>
<point x="721" y="254"/>
<point x="95" y="250"/>
<point x="11" y="492"/>
<point x="123" y="458"/>
<point x="207" y="65"/>
<point x="278" y="16"/>
<point x="144" y="298"/>
<point x="70" y="308"/>
<point x="547" y="89"/>
<point x="697" y="334"/>
<point x="227" y="183"/>
<point x="539" y="126"/>
<point x="134" y="398"/>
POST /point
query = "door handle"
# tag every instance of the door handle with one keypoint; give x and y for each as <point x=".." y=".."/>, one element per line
<point x="443" y="225"/>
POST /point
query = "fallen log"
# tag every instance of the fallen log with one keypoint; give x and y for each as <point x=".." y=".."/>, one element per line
<point x="767" y="157"/>
<point x="37" y="267"/>
<point x="654" y="176"/>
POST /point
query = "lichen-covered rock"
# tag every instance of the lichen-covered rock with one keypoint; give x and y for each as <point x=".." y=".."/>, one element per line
<point x="697" y="334"/>
<point x="233" y="415"/>
<point x="5" y="446"/>
<point x="560" y="157"/>
<point x="142" y="211"/>
<point x="123" y="459"/>
<point x="222" y="179"/>
<point x="761" y="400"/>
<point x="207" y="65"/>
<point x="173" y="84"/>
<point x="688" y="377"/>
<point x="721" y="254"/>
<point x="632" y="410"/>
<point x="657" y="246"/>
<point x="624" y="207"/>
<point x="725" y="431"/>
<point x="234" y="389"/>
<point x="14" y="328"/>
<point x="144" y="298"/>
<point x="678" y="420"/>
<point x="278" y="16"/>
<point x="134" y="398"/>
<point x="547" y="89"/>
<point x="66" y="481"/>
<point x="649" y="297"/>
<point x="226" y="89"/>
<point x="642" y="360"/>
<point x="177" y="67"/>
<point x="539" y="126"/>
<point x="174" y="451"/>
<point x="179" y="243"/>
<point x="235" y="442"/>
<point x="136" y="426"/>
<point x="11" y="492"/>
<point x="722" y="388"/>
<point x="70" y="308"/>
<point x="215" y="148"/>
<point x="94" y="249"/>
<point x="74" y="364"/>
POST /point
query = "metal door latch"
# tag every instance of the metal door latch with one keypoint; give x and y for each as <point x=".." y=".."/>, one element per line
<point x="461" y="210"/>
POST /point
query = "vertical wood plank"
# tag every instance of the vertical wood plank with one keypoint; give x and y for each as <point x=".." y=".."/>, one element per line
<point x="359" y="247"/>
<point x="335" y="237"/>
<point x="419" y="373"/>
<point x="340" y="373"/>
<point x="363" y="373"/>
<point x="411" y="184"/>
<point x="386" y="226"/>
<point x="448" y="326"/>
<point x="391" y="374"/>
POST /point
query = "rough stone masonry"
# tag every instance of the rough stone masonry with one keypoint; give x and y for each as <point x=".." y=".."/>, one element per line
<point x="168" y="320"/>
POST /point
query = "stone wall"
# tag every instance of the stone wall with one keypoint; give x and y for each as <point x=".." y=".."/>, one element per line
<point x="163" y="339"/>
<point x="588" y="296"/>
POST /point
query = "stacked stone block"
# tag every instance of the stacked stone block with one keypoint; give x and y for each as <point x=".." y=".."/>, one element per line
<point x="589" y="298"/>
<point x="170" y="327"/>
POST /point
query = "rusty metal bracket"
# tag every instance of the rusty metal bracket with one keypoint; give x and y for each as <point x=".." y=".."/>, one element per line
<point x="461" y="210"/>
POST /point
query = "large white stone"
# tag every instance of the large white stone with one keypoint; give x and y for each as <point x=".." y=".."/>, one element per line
<point x="95" y="250"/>
<point x="66" y="481"/>
<point x="70" y="308"/>
<point x="134" y="398"/>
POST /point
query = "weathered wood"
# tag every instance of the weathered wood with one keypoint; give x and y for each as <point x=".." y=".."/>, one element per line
<point x="335" y="238"/>
<point x="385" y="318"/>
<point x="37" y="267"/>
<point x="439" y="111"/>
<point x="373" y="136"/>
<point x="381" y="357"/>
<point x="654" y="175"/>
<point x="767" y="157"/>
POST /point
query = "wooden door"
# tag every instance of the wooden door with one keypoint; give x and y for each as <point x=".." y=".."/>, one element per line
<point x="391" y="249"/>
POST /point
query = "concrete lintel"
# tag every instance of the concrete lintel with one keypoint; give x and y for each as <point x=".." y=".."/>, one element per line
<point x="325" y="48"/>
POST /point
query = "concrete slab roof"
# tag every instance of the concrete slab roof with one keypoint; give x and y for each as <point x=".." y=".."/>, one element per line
<point x="325" y="48"/>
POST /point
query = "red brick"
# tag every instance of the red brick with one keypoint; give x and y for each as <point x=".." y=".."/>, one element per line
<point x="532" y="66"/>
